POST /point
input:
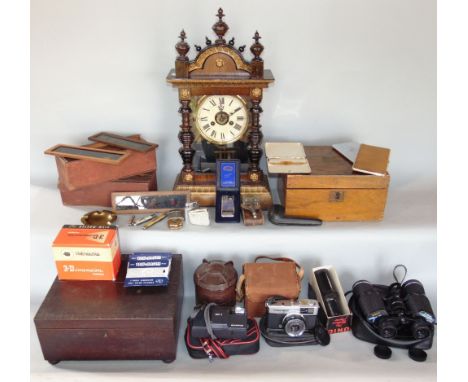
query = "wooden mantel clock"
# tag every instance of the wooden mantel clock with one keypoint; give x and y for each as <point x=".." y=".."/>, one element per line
<point x="220" y="94"/>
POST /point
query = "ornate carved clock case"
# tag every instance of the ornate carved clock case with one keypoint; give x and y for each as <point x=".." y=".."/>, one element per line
<point x="225" y="91"/>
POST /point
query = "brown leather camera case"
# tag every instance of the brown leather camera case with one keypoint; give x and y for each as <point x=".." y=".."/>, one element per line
<point x="215" y="281"/>
<point x="263" y="280"/>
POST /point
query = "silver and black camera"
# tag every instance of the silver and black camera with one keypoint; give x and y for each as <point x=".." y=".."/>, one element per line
<point x="294" y="317"/>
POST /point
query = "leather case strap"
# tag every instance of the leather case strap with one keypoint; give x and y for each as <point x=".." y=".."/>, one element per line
<point x="300" y="270"/>
<point x="240" y="288"/>
<point x="241" y="281"/>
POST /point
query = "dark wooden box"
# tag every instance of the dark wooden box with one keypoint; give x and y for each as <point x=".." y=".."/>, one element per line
<point x="102" y="320"/>
<point x="333" y="191"/>
<point x="100" y="194"/>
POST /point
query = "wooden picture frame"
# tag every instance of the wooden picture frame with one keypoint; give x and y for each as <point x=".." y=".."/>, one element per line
<point x="123" y="142"/>
<point x="148" y="202"/>
<point x="88" y="153"/>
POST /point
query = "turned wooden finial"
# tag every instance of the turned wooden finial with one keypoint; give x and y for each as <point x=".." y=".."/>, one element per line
<point x="182" y="47"/>
<point x="220" y="27"/>
<point x="220" y="14"/>
<point x="257" y="47"/>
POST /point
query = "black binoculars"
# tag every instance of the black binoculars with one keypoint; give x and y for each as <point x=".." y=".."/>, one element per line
<point x="401" y="306"/>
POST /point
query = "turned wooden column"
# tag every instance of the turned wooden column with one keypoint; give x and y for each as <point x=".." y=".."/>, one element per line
<point x="255" y="138"/>
<point x="186" y="138"/>
<point x="255" y="135"/>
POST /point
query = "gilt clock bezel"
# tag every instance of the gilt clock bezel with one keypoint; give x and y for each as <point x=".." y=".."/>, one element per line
<point x="215" y="141"/>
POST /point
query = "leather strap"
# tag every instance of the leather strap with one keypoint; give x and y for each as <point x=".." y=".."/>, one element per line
<point x="241" y="281"/>
<point x="300" y="270"/>
<point x="207" y="317"/>
<point x="240" y="288"/>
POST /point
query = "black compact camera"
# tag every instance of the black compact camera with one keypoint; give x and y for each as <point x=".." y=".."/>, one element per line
<point x="217" y="321"/>
<point x="293" y="317"/>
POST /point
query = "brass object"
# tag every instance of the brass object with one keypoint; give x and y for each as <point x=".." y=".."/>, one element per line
<point x="253" y="176"/>
<point x="221" y="118"/>
<point x="145" y="219"/>
<point x="155" y="220"/>
<point x="131" y="222"/>
<point x="175" y="220"/>
<point x="256" y="92"/>
<point x="253" y="205"/>
<point x="200" y="60"/>
<point x="184" y="93"/>
<point x="252" y="213"/>
<point x="188" y="177"/>
<point x="97" y="218"/>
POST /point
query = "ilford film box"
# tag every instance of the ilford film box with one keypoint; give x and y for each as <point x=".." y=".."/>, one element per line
<point x="148" y="269"/>
<point x="87" y="252"/>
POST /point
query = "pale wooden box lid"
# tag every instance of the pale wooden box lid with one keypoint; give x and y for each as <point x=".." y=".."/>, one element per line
<point x="331" y="170"/>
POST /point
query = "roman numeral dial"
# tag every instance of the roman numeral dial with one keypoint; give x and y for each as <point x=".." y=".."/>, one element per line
<point x="221" y="119"/>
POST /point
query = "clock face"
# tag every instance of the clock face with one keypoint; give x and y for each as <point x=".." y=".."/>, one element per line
<point x="221" y="119"/>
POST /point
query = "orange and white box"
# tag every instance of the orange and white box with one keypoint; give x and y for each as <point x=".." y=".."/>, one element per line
<point x="87" y="253"/>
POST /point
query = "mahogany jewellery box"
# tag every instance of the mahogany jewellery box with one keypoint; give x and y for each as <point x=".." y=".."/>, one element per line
<point x="103" y="320"/>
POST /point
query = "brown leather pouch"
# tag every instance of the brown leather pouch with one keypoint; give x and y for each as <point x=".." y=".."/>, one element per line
<point x="282" y="277"/>
<point x="215" y="281"/>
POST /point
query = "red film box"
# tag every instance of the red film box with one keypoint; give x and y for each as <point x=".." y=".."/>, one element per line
<point x="87" y="252"/>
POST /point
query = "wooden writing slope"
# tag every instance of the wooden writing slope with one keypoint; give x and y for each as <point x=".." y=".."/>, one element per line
<point x="333" y="191"/>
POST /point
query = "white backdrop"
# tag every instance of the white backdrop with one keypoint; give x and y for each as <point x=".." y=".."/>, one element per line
<point x="362" y="70"/>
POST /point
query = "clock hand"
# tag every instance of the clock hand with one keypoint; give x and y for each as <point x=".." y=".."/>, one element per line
<point x="235" y="111"/>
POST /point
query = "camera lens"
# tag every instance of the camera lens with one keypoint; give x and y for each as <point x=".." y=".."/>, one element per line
<point x="294" y="325"/>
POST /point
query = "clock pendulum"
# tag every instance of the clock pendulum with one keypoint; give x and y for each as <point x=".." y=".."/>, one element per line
<point x="220" y="94"/>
